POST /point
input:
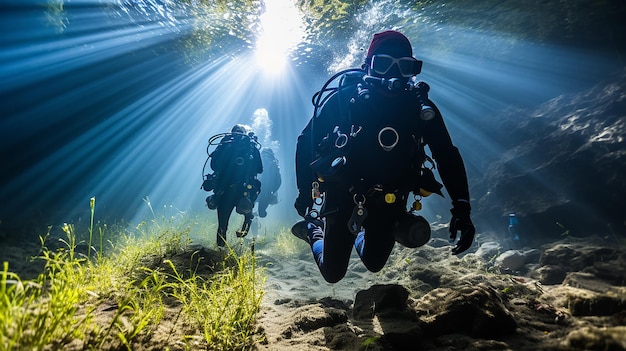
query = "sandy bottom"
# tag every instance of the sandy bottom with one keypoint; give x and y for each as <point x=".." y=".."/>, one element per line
<point x="567" y="295"/>
<point x="512" y="310"/>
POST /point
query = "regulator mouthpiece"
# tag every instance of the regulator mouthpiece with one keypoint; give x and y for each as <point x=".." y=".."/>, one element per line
<point x="394" y="84"/>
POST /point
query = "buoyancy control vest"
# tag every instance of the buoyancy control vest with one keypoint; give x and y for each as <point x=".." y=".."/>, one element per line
<point x="235" y="160"/>
<point x="354" y="125"/>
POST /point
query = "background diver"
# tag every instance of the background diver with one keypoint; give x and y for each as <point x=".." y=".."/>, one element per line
<point x="235" y="162"/>
<point x="271" y="180"/>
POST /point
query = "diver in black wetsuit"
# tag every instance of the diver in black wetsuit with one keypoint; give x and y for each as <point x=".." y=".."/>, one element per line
<point x="271" y="180"/>
<point x="235" y="162"/>
<point x="362" y="155"/>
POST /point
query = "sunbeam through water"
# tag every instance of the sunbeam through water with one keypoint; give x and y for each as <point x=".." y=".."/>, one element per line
<point x="118" y="99"/>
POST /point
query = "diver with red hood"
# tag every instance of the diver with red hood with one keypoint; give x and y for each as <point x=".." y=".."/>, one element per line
<point x="361" y="166"/>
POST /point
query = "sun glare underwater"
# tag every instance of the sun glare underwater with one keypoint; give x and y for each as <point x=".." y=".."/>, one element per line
<point x="99" y="99"/>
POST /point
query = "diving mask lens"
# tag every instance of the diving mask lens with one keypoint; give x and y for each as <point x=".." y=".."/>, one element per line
<point x="409" y="66"/>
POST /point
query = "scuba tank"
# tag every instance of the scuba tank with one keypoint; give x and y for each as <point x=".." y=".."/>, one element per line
<point x="209" y="179"/>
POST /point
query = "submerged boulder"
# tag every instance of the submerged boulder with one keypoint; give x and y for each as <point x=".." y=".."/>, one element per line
<point x="477" y="311"/>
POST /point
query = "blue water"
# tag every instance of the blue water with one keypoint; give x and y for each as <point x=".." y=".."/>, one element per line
<point x="117" y="99"/>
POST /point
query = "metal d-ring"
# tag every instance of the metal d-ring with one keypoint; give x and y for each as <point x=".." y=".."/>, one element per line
<point x="361" y="203"/>
<point x="392" y="145"/>
<point x="341" y="141"/>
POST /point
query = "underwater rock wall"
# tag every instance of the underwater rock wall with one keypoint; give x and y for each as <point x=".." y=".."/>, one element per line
<point x="563" y="170"/>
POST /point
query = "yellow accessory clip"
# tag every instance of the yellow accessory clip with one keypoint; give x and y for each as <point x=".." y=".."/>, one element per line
<point x="416" y="205"/>
<point x="390" y="198"/>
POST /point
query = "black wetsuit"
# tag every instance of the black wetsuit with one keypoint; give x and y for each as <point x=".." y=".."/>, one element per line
<point x="271" y="180"/>
<point x="236" y="162"/>
<point x="383" y="156"/>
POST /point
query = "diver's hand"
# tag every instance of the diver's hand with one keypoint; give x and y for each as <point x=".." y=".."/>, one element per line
<point x="461" y="222"/>
<point x="302" y="204"/>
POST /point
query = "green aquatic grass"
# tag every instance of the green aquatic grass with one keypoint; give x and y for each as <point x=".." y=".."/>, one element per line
<point x="119" y="300"/>
<point x="225" y="306"/>
<point x="45" y="311"/>
<point x="285" y="244"/>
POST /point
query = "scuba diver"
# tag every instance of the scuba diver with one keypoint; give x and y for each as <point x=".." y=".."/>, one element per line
<point x="271" y="180"/>
<point x="235" y="163"/>
<point x="362" y="156"/>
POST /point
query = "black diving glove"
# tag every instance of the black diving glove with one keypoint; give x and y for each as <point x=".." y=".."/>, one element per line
<point x="303" y="203"/>
<point x="461" y="222"/>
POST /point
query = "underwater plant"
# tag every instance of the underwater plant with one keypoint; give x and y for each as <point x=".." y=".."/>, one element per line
<point x="209" y="300"/>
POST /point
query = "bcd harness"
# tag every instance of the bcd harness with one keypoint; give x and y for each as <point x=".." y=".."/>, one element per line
<point x="330" y="154"/>
<point x="211" y="179"/>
